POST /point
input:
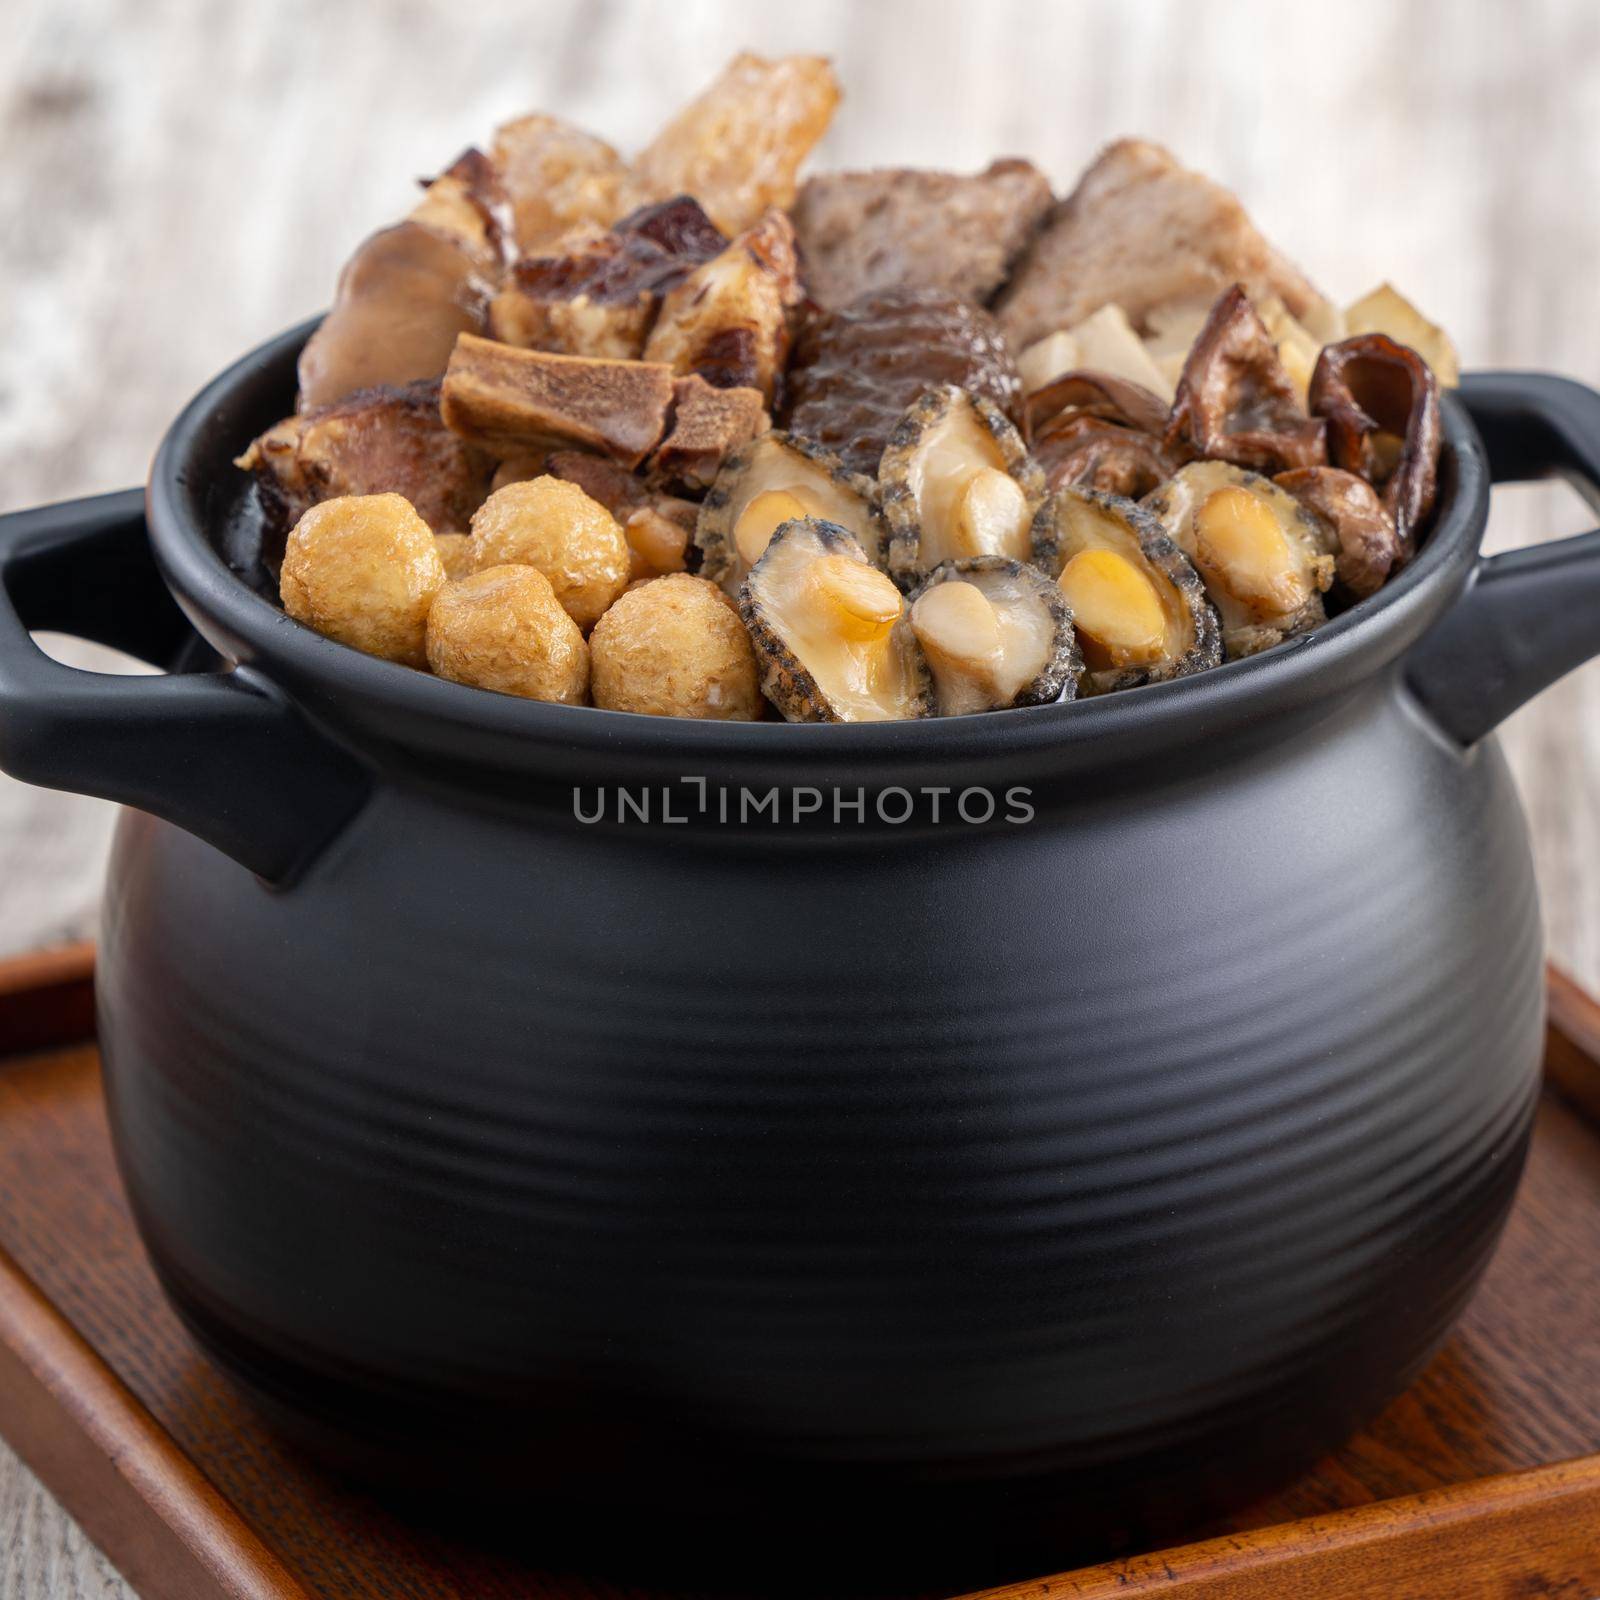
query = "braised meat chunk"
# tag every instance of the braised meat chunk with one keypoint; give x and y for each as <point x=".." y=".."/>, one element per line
<point x="380" y="441"/>
<point x="903" y="228"/>
<point x="1141" y="231"/>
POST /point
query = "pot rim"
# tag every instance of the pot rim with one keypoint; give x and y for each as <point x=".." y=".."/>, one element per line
<point x="375" y="700"/>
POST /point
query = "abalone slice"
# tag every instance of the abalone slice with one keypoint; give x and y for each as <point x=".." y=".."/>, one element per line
<point x="957" y="481"/>
<point x="995" y="633"/>
<point x="832" y="633"/>
<point x="1139" y="609"/>
<point x="1264" y="558"/>
<point x="772" y="480"/>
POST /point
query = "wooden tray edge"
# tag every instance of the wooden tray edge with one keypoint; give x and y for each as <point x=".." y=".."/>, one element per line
<point x="1444" y="1544"/>
<point x="46" y="999"/>
<point x="95" y="1447"/>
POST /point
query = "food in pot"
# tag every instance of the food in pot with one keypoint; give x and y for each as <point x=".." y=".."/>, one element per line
<point x="379" y="441"/>
<point x="856" y="370"/>
<point x="405" y="295"/>
<point x="674" y="647"/>
<point x="1104" y="342"/>
<point x="455" y="551"/>
<point x="903" y="228"/>
<point x="1129" y="397"/>
<point x="708" y="425"/>
<point x="729" y="319"/>
<point x="1138" y="607"/>
<point x="512" y="401"/>
<point x="772" y="481"/>
<point x="1142" y="232"/>
<point x="599" y="293"/>
<point x="364" y="569"/>
<point x="504" y="628"/>
<point x="738" y="147"/>
<point x="1381" y="402"/>
<point x="1386" y="310"/>
<point x="831" y="632"/>
<point x="1099" y="431"/>
<point x="995" y="633"/>
<point x="957" y="481"/>
<point x="1369" y="546"/>
<point x="1235" y="400"/>
<point x="1265" y="559"/>
<point x="552" y="525"/>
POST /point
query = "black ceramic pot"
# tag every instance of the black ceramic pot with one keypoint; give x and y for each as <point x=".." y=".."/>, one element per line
<point x="1087" y="1103"/>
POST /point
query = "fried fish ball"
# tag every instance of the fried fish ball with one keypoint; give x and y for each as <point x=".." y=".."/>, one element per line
<point x="457" y="554"/>
<point x="572" y="539"/>
<point x="364" y="569"/>
<point x="674" y="647"/>
<point x="503" y="628"/>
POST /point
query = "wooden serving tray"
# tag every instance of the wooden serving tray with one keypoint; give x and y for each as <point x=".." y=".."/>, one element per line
<point x="1483" y="1480"/>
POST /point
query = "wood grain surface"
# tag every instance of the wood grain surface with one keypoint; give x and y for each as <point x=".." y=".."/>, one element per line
<point x="1514" y="1393"/>
<point x="185" y="176"/>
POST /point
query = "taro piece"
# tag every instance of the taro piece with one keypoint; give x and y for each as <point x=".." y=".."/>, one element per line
<point x="674" y="647"/>
<point x="514" y="401"/>
<point x="903" y="228"/>
<point x="771" y="481"/>
<point x="364" y="569"/>
<point x="995" y="633"/>
<point x="1368" y="544"/>
<point x="708" y="426"/>
<point x="1381" y="401"/>
<point x="1235" y="400"/>
<point x="1143" y="232"/>
<point x="557" y="178"/>
<point x="956" y="481"/>
<point x="729" y="319"/>
<point x="502" y="628"/>
<point x="1105" y="342"/>
<point x="831" y="633"/>
<point x="1138" y="606"/>
<point x="738" y="147"/>
<point x="377" y="441"/>
<point x="599" y="292"/>
<point x="1265" y="560"/>
<point x="857" y="370"/>
<point x="552" y="525"/>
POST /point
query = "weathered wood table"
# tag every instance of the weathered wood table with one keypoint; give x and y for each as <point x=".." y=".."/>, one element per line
<point x="183" y="178"/>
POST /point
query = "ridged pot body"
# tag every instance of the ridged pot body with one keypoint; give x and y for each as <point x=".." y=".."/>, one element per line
<point x="1161" y="1134"/>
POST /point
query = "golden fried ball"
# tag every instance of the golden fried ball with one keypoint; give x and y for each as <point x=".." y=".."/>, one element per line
<point x="674" y="648"/>
<point x="503" y="628"/>
<point x="457" y="554"/>
<point x="553" y="525"/>
<point x="363" y="569"/>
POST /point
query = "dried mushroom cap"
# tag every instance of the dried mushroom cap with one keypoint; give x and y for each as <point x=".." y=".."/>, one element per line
<point x="1381" y="401"/>
<point x="956" y="481"/>
<point x="1105" y="395"/>
<point x="1265" y="560"/>
<point x="1368" y="543"/>
<point x="1081" y="451"/>
<point x="1235" y="400"/>
<point x="830" y="631"/>
<point x="774" y="480"/>
<point x="1386" y="310"/>
<point x="995" y="633"/>
<point x="1138" y="606"/>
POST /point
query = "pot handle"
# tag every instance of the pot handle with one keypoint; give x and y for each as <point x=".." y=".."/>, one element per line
<point x="1529" y="616"/>
<point x="221" y="754"/>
